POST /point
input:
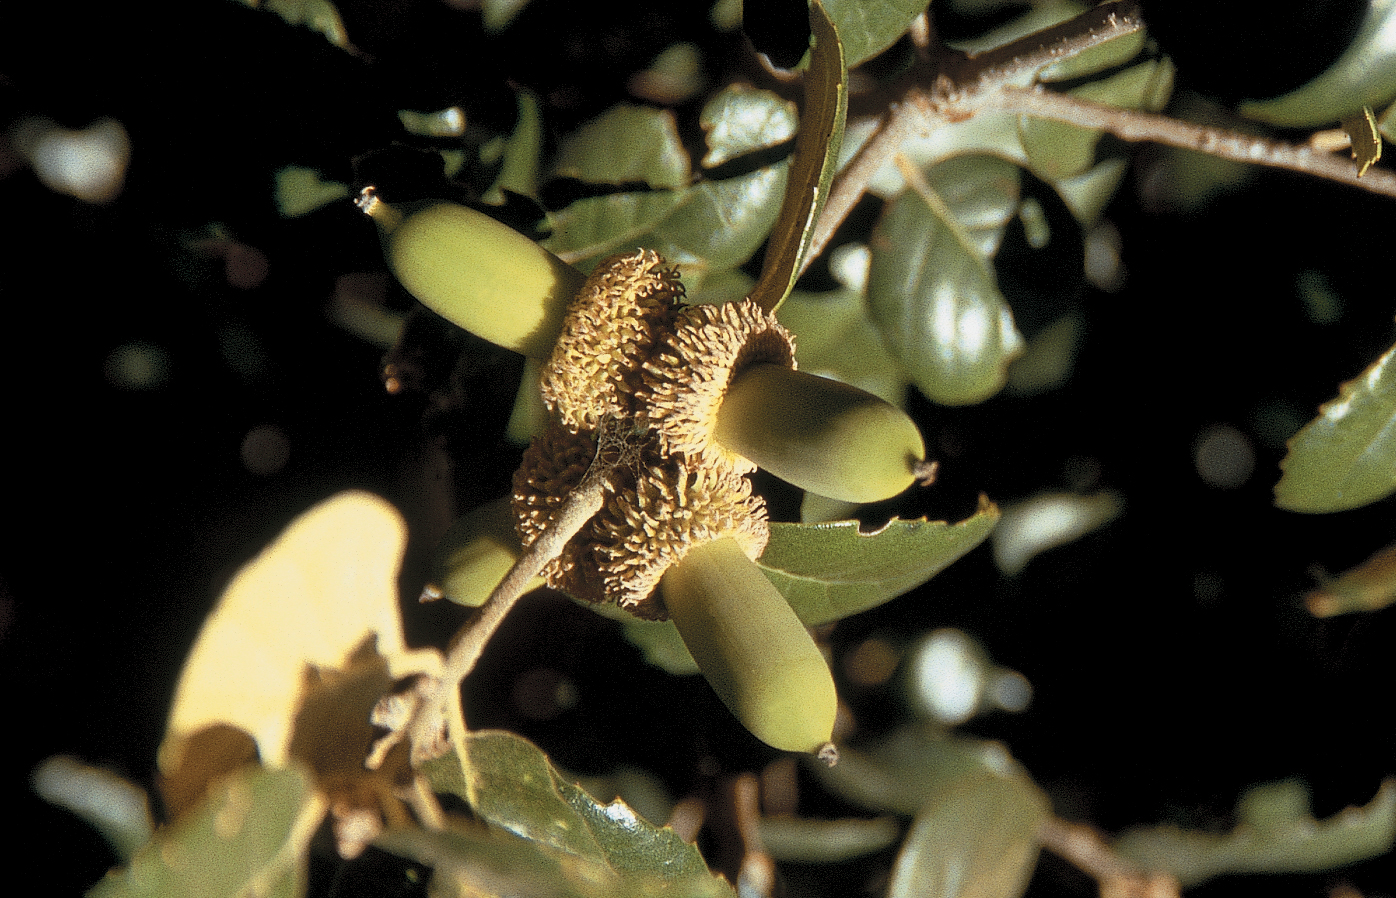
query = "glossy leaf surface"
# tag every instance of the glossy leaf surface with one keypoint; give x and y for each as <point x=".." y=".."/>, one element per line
<point x="742" y="119"/>
<point x="867" y="27"/>
<point x="1346" y="457"/>
<point x="703" y="227"/>
<point x="512" y="786"/>
<point x="1365" y="75"/>
<point x="932" y="291"/>
<point x="623" y="145"/>
<point x="836" y="339"/>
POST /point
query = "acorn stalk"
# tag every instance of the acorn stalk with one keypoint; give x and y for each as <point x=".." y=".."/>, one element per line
<point x="476" y="272"/>
<point x="753" y="650"/>
<point x="819" y="434"/>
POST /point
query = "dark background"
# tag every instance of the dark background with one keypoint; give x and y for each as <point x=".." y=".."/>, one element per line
<point x="1172" y="660"/>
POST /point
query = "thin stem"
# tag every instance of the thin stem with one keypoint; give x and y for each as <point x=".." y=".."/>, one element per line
<point x="953" y="74"/>
<point x="442" y="708"/>
<point x="582" y="503"/>
<point x="1025" y="56"/>
<point x="1117" y="877"/>
<point x="947" y="86"/>
<point x="1133" y="125"/>
<point x="852" y="181"/>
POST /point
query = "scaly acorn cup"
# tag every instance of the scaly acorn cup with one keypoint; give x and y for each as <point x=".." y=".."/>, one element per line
<point x="476" y="272"/>
<point x="752" y="649"/>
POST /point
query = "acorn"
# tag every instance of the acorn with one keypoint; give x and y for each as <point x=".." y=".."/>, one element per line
<point x="822" y="435"/>
<point x="476" y="272"/>
<point x="752" y="649"/>
<point x="474" y="555"/>
<point x="723" y="388"/>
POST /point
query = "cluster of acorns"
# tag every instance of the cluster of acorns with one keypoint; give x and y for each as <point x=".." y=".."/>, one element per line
<point x="679" y="403"/>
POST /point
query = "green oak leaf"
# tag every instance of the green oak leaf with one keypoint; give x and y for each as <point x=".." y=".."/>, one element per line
<point x="1365" y="75"/>
<point x="1346" y="457"/>
<point x="1108" y="55"/>
<point x="815" y="841"/>
<point x="867" y="27"/>
<point x="975" y="839"/>
<point x="117" y="809"/>
<point x="497" y="14"/>
<point x="932" y="290"/>
<point x="707" y="227"/>
<point x="1277" y="834"/>
<point x="830" y="571"/>
<point x="597" y="226"/>
<point x="812" y="164"/>
<point x="837" y="340"/>
<point x="1086" y="195"/>
<point x="719" y="224"/>
<point x="468" y="861"/>
<point x="512" y="786"/>
<point x="239" y="841"/>
<point x="742" y="119"/>
<point x="976" y="812"/>
<point x="448" y="122"/>
<point x="626" y="144"/>
<point x="300" y="191"/>
<point x="518" y="154"/>
<point x="913" y="764"/>
<point x="317" y="15"/>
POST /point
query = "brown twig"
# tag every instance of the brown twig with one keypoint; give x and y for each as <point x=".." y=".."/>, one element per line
<point x="442" y="707"/>
<point x="1116" y="876"/>
<point x="1133" y="125"/>
<point x="947" y="86"/>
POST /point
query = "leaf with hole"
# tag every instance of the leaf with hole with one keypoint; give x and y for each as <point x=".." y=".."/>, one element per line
<point x="830" y="571"/>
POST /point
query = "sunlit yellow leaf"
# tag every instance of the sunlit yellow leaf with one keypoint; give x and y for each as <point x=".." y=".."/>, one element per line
<point x="326" y="584"/>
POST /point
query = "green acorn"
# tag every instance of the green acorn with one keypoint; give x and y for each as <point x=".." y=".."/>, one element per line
<point x="475" y="554"/>
<point x="476" y="272"/>
<point x="752" y="649"/>
<point x="822" y="435"/>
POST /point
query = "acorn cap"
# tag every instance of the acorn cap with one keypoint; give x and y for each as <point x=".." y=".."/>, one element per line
<point x="657" y="511"/>
<point x="687" y="376"/>
<point x="612" y="326"/>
